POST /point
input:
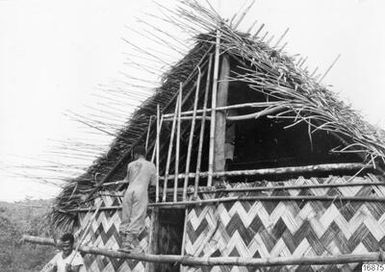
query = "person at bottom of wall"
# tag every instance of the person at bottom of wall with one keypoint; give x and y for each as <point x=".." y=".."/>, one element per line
<point x="140" y="174"/>
<point x="68" y="260"/>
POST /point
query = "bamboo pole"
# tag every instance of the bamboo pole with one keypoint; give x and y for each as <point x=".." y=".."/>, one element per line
<point x="170" y="147"/>
<point x="254" y="115"/>
<point x="287" y="187"/>
<point x="280" y="38"/>
<point x="252" y="26"/>
<point x="89" y="223"/>
<point x="243" y="15"/>
<point x="177" y="149"/>
<point x="264" y="36"/>
<point x="184" y="99"/>
<point x="214" y="261"/>
<point x="213" y="106"/>
<point x="202" y="131"/>
<point x="283" y="47"/>
<point x="158" y="123"/>
<point x="210" y="190"/>
<point x="315" y="70"/>
<point x="188" y="118"/>
<point x="330" y="67"/>
<point x="157" y="152"/>
<point x="284" y="170"/>
<point x="303" y="62"/>
<point x="229" y="107"/>
<point x="270" y="39"/>
<point x="184" y="204"/>
<point x="281" y="170"/>
<point x="258" y="31"/>
<point x="216" y="201"/>
<point x="148" y="132"/>
<point x="191" y="138"/>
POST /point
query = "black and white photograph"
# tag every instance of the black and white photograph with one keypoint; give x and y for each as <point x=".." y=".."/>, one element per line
<point x="192" y="135"/>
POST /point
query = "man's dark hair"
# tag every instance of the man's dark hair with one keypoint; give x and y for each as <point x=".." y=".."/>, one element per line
<point x="68" y="237"/>
<point x="140" y="150"/>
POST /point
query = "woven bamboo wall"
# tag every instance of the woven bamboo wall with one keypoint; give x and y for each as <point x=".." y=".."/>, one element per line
<point x="104" y="233"/>
<point x="289" y="228"/>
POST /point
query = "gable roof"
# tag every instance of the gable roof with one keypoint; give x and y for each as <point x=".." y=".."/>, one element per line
<point x="267" y="70"/>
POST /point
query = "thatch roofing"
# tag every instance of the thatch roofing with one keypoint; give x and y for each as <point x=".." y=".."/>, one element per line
<point x="267" y="70"/>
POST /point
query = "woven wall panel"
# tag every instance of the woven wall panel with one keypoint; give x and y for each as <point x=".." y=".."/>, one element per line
<point x="104" y="233"/>
<point x="289" y="228"/>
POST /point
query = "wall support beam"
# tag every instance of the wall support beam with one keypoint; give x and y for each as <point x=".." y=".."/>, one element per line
<point x="213" y="107"/>
<point x="220" y="116"/>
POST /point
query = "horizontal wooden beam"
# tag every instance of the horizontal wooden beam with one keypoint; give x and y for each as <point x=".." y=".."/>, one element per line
<point x="229" y="107"/>
<point x="211" y="190"/>
<point x="272" y="171"/>
<point x="187" y="118"/>
<point x="254" y="115"/>
<point x="206" y="190"/>
<point x="215" y="261"/>
<point x="283" y="170"/>
<point x="269" y="198"/>
<point x="184" y="204"/>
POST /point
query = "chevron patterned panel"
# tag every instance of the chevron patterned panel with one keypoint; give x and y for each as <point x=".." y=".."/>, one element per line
<point x="104" y="233"/>
<point x="262" y="229"/>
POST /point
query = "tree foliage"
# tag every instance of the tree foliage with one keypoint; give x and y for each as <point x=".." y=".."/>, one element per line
<point x="16" y="219"/>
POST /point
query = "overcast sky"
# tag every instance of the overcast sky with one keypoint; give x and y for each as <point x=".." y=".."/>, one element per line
<point x="53" y="55"/>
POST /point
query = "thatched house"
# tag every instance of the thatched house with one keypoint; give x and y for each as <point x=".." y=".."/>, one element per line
<point x="256" y="161"/>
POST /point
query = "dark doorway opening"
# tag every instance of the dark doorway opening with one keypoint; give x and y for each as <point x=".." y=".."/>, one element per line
<point x="170" y="236"/>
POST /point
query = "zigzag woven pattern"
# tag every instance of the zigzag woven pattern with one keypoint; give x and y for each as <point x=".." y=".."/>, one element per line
<point x="104" y="232"/>
<point x="262" y="229"/>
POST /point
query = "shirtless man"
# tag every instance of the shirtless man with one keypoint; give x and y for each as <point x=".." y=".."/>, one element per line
<point x="140" y="174"/>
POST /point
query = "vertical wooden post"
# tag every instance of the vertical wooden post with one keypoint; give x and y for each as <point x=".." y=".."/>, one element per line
<point x="213" y="107"/>
<point x="191" y="138"/>
<point x="177" y="149"/>
<point x="170" y="146"/>
<point x="202" y="132"/>
<point x="154" y="149"/>
<point x="220" y="116"/>
<point x="148" y="132"/>
<point x="157" y="152"/>
<point x="153" y="239"/>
